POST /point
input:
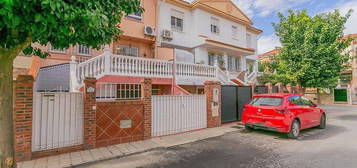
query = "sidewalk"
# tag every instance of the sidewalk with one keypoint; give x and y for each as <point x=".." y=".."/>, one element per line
<point x="121" y="150"/>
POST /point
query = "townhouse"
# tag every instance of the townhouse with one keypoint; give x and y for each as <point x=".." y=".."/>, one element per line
<point x="177" y="44"/>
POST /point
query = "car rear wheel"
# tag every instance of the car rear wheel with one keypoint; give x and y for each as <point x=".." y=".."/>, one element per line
<point x="294" y="130"/>
<point x="322" y="122"/>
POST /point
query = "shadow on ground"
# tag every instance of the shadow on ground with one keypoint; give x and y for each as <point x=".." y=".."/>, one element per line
<point x="308" y="134"/>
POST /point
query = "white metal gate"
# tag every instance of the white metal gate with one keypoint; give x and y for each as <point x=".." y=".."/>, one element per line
<point x="174" y="114"/>
<point x="57" y="120"/>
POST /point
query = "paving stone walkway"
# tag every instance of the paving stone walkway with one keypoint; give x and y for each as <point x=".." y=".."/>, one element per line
<point x="121" y="150"/>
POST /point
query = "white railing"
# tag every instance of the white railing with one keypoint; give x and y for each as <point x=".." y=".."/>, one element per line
<point x="135" y="66"/>
<point x="195" y="70"/>
<point x="109" y="64"/>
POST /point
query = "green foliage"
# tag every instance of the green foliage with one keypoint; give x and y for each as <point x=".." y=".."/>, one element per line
<point x="274" y="78"/>
<point x="268" y="66"/>
<point x="312" y="47"/>
<point x="62" y="22"/>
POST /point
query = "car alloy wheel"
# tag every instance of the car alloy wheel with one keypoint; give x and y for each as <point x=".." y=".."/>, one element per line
<point x="322" y="122"/>
<point x="294" y="130"/>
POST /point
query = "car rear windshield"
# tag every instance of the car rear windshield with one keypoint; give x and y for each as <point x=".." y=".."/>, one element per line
<point x="267" y="101"/>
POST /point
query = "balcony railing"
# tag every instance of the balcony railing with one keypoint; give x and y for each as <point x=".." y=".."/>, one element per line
<point x="108" y="64"/>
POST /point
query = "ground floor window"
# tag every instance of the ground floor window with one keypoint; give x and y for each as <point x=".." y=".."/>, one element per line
<point x="233" y="64"/>
<point x="127" y="50"/>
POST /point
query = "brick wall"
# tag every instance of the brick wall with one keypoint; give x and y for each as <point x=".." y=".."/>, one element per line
<point x="212" y="120"/>
<point x="23" y="90"/>
<point x="109" y="118"/>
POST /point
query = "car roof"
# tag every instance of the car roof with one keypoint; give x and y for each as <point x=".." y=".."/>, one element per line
<point x="277" y="95"/>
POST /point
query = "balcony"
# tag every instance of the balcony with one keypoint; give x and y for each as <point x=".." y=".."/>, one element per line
<point x="110" y="64"/>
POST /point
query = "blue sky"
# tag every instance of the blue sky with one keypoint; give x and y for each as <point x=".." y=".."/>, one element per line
<point x="264" y="13"/>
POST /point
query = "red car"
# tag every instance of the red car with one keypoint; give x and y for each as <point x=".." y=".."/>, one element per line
<point x="288" y="113"/>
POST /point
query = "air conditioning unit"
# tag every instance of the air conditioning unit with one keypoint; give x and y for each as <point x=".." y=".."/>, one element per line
<point x="150" y="31"/>
<point x="167" y="34"/>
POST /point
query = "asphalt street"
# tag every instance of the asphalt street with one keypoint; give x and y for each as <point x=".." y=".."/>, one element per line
<point x="333" y="147"/>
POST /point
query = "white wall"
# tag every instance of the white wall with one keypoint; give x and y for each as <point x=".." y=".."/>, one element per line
<point x="197" y="23"/>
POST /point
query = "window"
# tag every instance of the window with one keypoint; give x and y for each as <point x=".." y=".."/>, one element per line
<point x="305" y="101"/>
<point x="214" y="25"/>
<point x="249" y="41"/>
<point x="52" y="49"/>
<point x="83" y="50"/>
<point x="295" y="100"/>
<point x="136" y="16"/>
<point x="213" y="58"/>
<point x="177" y="20"/>
<point x="127" y="50"/>
<point x="267" y="101"/>
<point x="234" y="32"/>
<point x="233" y="64"/>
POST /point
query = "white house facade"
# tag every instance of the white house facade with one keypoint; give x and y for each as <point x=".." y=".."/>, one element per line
<point x="209" y="32"/>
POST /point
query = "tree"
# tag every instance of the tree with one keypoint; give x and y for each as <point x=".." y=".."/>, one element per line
<point x="62" y="23"/>
<point x="312" y="47"/>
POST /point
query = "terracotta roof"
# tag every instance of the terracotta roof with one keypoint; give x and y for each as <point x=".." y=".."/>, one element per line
<point x="272" y="52"/>
<point x="353" y="36"/>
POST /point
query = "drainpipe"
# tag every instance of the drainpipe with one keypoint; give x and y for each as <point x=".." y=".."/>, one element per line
<point x="173" y="84"/>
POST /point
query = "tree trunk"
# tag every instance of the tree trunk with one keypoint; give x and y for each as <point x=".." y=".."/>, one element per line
<point x="6" y="113"/>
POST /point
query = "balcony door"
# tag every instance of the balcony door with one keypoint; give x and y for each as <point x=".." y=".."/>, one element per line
<point x="214" y="57"/>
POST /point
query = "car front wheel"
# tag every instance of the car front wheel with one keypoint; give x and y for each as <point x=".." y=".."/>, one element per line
<point x="322" y="122"/>
<point x="294" y="130"/>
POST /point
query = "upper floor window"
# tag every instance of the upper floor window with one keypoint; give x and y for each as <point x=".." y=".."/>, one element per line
<point x="234" y="32"/>
<point x="233" y="64"/>
<point x="177" y="20"/>
<point x="83" y="50"/>
<point x="127" y="50"/>
<point x="136" y="16"/>
<point x="214" y="25"/>
<point x="52" y="49"/>
<point x="249" y="41"/>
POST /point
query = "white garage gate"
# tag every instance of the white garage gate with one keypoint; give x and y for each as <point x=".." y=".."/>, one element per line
<point x="173" y="114"/>
<point x="57" y="120"/>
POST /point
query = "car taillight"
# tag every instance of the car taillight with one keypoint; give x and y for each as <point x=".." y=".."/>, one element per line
<point x="280" y="111"/>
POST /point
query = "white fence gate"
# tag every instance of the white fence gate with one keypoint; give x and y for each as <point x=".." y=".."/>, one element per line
<point x="57" y="120"/>
<point x="174" y="114"/>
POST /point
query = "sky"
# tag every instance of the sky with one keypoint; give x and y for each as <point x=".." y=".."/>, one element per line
<point x="264" y="12"/>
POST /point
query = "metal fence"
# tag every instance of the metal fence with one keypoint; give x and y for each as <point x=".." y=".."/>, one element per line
<point x="173" y="114"/>
<point x="57" y="120"/>
<point x="113" y="91"/>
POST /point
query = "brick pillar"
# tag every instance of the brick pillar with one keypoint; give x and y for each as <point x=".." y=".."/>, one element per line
<point x="89" y="99"/>
<point x="280" y="87"/>
<point x="23" y="90"/>
<point x="213" y="107"/>
<point x="146" y="95"/>
<point x="289" y="87"/>
<point x="270" y="87"/>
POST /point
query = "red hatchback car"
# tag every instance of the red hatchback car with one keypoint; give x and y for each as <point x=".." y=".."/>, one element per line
<point x="288" y="113"/>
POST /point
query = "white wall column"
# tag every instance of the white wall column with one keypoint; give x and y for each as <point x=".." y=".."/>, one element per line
<point x="73" y="81"/>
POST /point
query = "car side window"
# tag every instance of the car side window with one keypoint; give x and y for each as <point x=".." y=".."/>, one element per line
<point x="295" y="100"/>
<point x="306" y="101"/>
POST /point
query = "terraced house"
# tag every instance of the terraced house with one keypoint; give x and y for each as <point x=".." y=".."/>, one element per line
<point x="179" y="52"/>
<point x="177" y="44"/>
